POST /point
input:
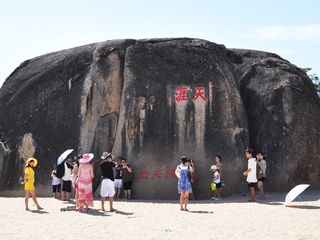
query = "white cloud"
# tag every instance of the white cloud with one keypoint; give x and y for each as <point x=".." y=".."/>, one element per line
<point x="298" y="33"/>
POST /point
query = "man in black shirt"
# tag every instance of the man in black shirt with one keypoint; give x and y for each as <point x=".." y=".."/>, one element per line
<point x="107" y="185"/>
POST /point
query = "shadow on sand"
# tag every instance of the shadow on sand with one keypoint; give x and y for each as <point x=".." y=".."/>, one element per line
<point x="201" y="212"/>
<point x="270" y="203"/>
<point x="303" y="207"/>
<point x="96" y="212"/>
<point x="123" y="213"/>
<point x="39" y="211"/>
<point x="275" y="199"/>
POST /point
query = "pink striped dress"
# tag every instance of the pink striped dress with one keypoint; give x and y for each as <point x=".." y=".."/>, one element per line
<point x="85" y="185"/>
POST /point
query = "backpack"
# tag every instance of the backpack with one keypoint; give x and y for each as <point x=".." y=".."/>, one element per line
<point x="259" y="172"/>
<point x="60" y="170"/>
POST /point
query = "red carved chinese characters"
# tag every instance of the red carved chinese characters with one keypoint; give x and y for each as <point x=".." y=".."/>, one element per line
<point x="200" y="92"/>
<point x="182" y="94"/>
<point x="170" y="173"/>
<point x="144" y="175"/>
<point x="157" y="174"/>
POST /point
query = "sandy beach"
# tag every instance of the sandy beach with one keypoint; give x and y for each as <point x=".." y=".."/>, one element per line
<point x="230" y="218"/>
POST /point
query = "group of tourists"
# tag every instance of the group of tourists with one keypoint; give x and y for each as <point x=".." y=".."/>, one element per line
<point x="78" y="173"/>
<point x="216" y="183"/>
<point x="255" y="173"/>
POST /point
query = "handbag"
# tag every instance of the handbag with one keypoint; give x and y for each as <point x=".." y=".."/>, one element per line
<point x="213" y="186"/>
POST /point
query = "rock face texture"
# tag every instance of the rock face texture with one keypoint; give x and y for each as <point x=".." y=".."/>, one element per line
<point x="154" y="100"/>
<point x="283" y="115"/>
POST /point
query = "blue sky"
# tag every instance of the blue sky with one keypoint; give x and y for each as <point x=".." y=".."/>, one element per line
<point x="32" y="27"/>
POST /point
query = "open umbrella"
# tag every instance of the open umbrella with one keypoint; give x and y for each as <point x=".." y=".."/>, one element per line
<point x="64" y="155"/>
<point x="295" y="192"/>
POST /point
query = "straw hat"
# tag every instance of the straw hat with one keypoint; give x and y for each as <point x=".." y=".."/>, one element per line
<point x="31" y="159"/>
<point x="213" y="167"/>
<point x="86" y="158"/>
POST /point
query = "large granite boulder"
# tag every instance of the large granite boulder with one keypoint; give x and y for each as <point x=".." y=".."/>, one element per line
<point x="283" y="114"/>
<point x="152" y="101"/>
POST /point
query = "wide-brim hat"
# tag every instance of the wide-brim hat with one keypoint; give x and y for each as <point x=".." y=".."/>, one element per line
<point x="86" y="158"/>
<point x="32" y="159"/>
<point x="213" y="167"/>
<point x="105" y="155"/>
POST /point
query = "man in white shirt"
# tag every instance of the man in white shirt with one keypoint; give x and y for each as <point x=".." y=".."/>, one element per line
<point x="251" y="174"/>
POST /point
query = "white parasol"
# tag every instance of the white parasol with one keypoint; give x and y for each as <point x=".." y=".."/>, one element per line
<point x="64" y="155"/>
<point x="295" y="192"/>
